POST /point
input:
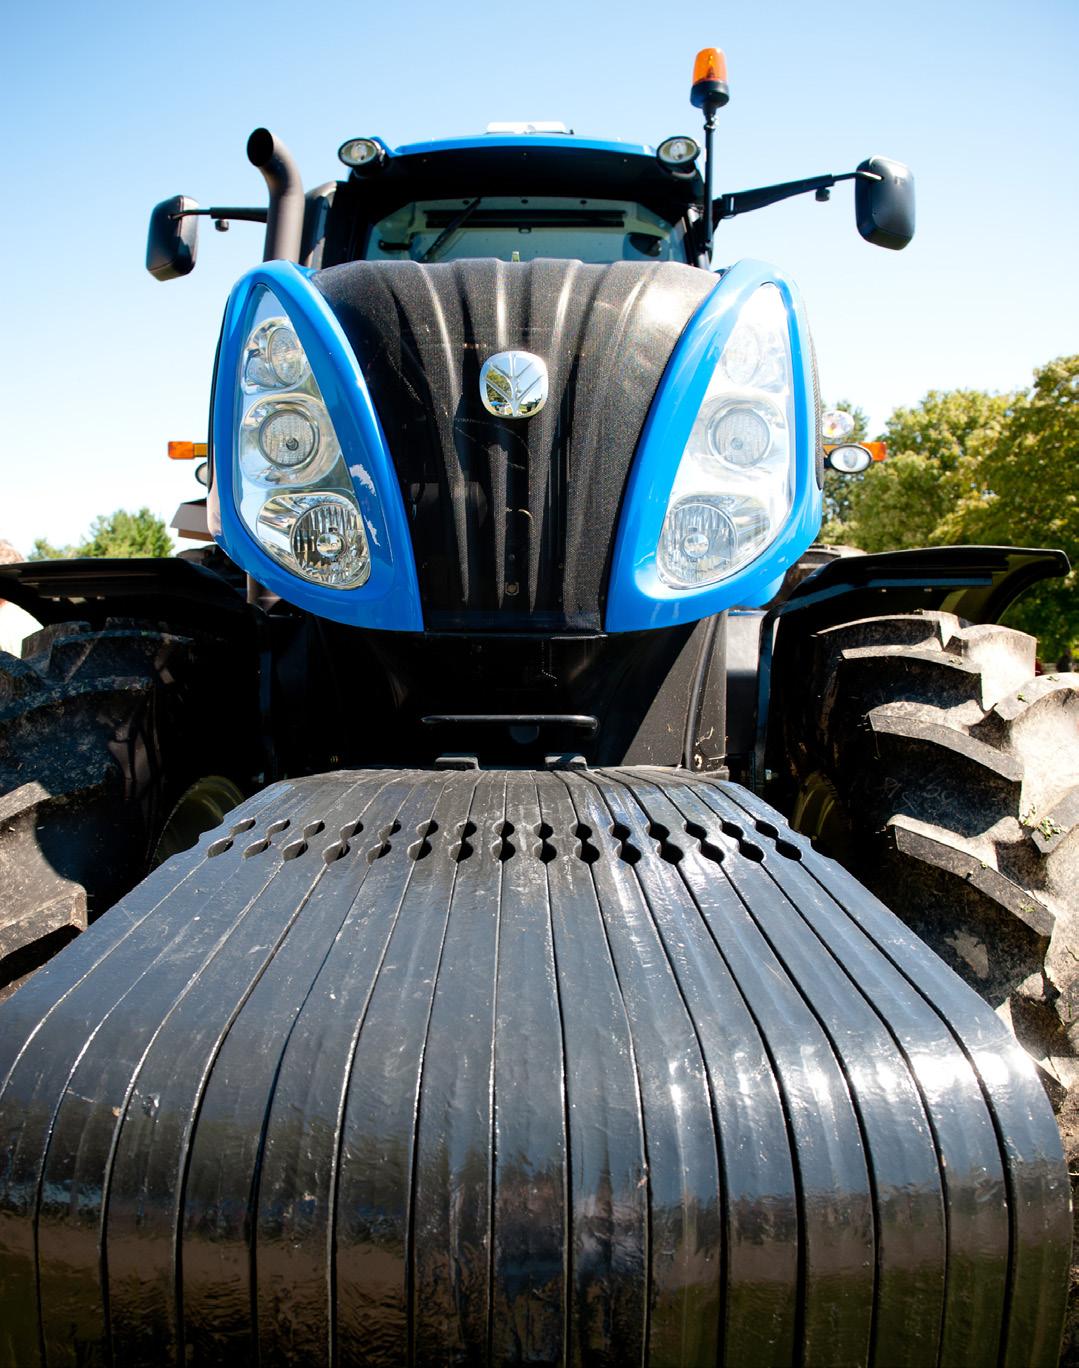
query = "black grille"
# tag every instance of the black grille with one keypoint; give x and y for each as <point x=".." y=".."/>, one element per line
<point x="513" y="521"/>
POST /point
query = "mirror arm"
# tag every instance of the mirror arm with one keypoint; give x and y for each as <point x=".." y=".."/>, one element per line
<point x="236" y="215"/>
<point x="745" y="201"/>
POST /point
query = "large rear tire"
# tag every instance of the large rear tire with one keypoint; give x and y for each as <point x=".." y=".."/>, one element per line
<point x="105" y="746"/>
<point x="930" y="760"/>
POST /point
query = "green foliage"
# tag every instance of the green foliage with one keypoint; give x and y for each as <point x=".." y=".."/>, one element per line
<point x="948" y="427"/>
<point x="966" y="466"/>
<point x="898" y="503"/>
<point x="933" y="453"/>
<point x="44" y="550"/>
<point x="117" y="534"/>
<point x="1025" y="491"/>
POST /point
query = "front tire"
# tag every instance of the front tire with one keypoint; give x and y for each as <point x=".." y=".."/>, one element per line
<point x="103" y="733"/>
<point x="930" y="760"/>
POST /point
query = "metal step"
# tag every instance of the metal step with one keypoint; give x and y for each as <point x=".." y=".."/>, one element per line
<point x="500" y="1067"/>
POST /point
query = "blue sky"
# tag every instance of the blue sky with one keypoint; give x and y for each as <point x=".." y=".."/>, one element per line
<point x="110" y="107"/>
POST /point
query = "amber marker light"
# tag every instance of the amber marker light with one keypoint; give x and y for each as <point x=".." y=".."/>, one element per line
<point x="187" y="451"/>
<point x="709" y="79"/>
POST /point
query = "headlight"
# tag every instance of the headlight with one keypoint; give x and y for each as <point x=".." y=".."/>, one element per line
<point x="321" y="533"/>
<point x="295" y="493"/>
<point x="361" y="153"/>
<point x="678" y="154"/>
<point x="735" y="480"/>
<point x="273" y="358"/>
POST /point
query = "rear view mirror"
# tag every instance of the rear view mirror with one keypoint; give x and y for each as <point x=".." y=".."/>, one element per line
<point x="172" y="243"/>
<point x="884" y="202"/>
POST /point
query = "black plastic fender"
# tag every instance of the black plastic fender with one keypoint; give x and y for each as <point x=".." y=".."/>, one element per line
<point x="493" y="1067"/>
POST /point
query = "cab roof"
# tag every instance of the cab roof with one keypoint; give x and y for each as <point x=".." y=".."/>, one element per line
<point x="523" y="164"/>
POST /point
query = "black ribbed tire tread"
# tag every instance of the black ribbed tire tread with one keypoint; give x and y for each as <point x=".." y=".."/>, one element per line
<point x="957" y="776"/>
<point x="79" y="779"/>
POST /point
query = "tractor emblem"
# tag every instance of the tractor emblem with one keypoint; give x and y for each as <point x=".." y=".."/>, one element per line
<point x="513" y="384"/>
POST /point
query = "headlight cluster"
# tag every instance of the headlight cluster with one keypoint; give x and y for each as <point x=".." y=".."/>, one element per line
<point x="734" y="485"/>
<point x="296" y="495"/>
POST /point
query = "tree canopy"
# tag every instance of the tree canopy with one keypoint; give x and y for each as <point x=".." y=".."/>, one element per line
<point x="933" y="451"/>
<point x="967" y="466"/>
<point x="1025" y="490"/>
<point x="114" y="534"/>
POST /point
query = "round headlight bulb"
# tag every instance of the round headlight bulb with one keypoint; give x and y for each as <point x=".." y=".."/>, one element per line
<point x="678" y="153"/>
<point x="740" y="435"/>
<point x="360" y="153"/>
<point x="287" y="437"/>
<point x="697" y="544"/>
<point x="318" y="535"/>
<point x="286" y="356"/>
<point x="742" y="355"/>
<point x="273" y="358"/>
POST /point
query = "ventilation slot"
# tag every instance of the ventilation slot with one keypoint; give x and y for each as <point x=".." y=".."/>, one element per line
<point x="627" y="851"/>
<point x="462" y="847"/>
<point x="219" y="847"/>
<point x="383" y="847"/>
<point x="543" y="849"/>
<point x="747" y="848"/>
<point x="504" y="849"/>
<point x="785" y="848"/>
<point x="420" y="849"/>
<point x="586" y="851"/>
<point x="707" y="848"/>
<point x="667" y="849"/>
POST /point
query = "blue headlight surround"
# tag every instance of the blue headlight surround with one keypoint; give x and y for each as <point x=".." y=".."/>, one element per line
<point x="390" y="598"/>
<point x="637" y="598"/>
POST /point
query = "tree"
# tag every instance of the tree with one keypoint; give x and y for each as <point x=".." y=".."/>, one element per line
<point x="1025" y="490"/>
<point x="934" y="450"/>
<point x="117" y="534"/>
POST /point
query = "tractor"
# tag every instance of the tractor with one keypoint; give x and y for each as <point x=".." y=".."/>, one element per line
<point x="502" y="896"/>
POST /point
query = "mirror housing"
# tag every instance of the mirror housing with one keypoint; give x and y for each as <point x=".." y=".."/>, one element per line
<point x="884" y="207"/>
<point x="172" y="242"/>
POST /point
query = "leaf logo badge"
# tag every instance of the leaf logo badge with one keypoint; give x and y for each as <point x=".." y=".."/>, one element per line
<point x="514" y="384"/>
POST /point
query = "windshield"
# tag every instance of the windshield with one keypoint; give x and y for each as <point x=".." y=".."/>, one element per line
<point x="515" y="229"/>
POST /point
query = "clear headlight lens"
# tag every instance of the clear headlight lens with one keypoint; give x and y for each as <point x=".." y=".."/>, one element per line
<point x="273" y="358"/>
<point x="735" y="482"/>
<point x="739" y="433"/>
<point x="322" y="533"/>
<point x="678" y="151"/>
<point x="295" y="493"/>
<point x="287" y="436"/>
<point x="359" y="152"/>
<point x="279" y="438"/>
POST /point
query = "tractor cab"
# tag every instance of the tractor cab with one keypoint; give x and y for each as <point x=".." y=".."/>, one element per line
<point x="515" y="197"/>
